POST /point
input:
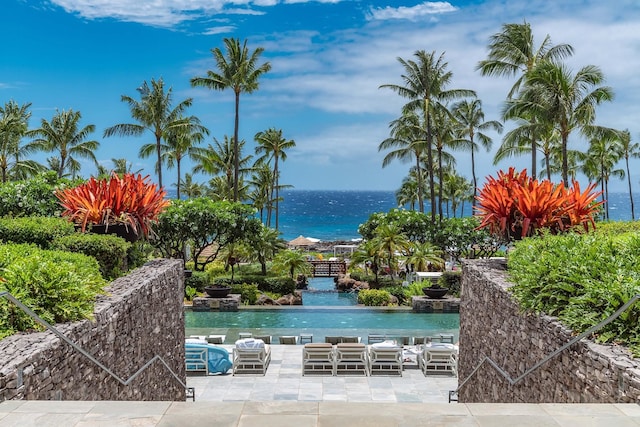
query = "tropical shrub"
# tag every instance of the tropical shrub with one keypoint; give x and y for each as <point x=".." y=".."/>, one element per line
<point x="33" y="197"/>
<point x="514" y="205"/>
<point x="110" y="251"/>
<point x="276" y="285"/>
<point x="203" y="225"/>
<point x="190" y="292"/>
<point x="581" y="279"/>
<point x="416" y="226"/>
<point x="398" y="292"/>
<point x="58" y="286"/>
<point x="131" y="200"/>
<point x="374" y="297"/>
<point x="452" y="281"/>
<point x="40" y="231"/>
<point x="414" y="289"/>
<point x="197" y="281"/>
<point x="249" y="293"/>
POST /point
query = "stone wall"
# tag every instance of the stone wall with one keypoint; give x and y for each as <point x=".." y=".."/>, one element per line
<point x="491" y="324"/>
<point x="140" y="316"/>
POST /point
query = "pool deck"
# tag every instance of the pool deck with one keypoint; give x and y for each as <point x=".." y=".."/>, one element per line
<point x="284" y="398"/>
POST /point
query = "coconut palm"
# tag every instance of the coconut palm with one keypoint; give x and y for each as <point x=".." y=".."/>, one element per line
<point x="261" y="181"/>
<point x="14" y="122"/>
<point x="407" y="143"/>
<point x="123" y="166"/>
<point x="291" y="261"/>
<point x="629" y="149"/>
<point x="443" y="139"/>
<point x="512" y="53"/>
<point x="425" y="85"/>
<point x="63" y="135"/>
<point x="457" y="189"/>
<point x="272" y="145"/>
<point x="264" y="247"/>
<point x="218" y="159"/>
<point x="190" y="188"/>
<point x="368" y="254"/>
<point x="471" y="124"/>
<point x="238" y="70"/>
<point x="390" y="241"/>
<point x="407" y="194"/>
<point x="154" y="112"/>
<point x="566" y="100"/>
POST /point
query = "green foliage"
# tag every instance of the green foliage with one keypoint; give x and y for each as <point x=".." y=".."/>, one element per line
<point x="451" y="280"/>
<point x="398" y="292"/>
<point x="618" y="227"/>
<point x="59" y="286"/>
<point x="249" y="293"/>
<point x="276" y="285"/>
<point x="414" y="290"/>
<point x="581" y="279"/>
<point x="41" y="231"/>
<point x="109" y="250"/>
<point x="203" y="224"/>
<point x="190" y="292"/>
<point x="374" y="297"/>
<point x="291" y="262"/>
<point x="198" y="280"/>
<point x="34" y="197"/>
<point x="416" y="226"/>
<point x="138" y="254"/>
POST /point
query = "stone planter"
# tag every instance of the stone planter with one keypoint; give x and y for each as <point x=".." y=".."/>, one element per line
<point x="217" y="292"/>
<point x="119" y="230"/>
<point x="435" y="292"/>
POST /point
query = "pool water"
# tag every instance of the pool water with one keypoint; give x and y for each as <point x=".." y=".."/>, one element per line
<point x="321" y="292"/>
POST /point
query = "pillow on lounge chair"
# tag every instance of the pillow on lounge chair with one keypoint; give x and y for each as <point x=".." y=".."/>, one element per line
<point x="387" y="343"/>
<point x="249" y="343"/>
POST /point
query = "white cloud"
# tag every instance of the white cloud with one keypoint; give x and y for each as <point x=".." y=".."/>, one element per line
<point x="219" y="30"/>
<point x="412" y="12"/>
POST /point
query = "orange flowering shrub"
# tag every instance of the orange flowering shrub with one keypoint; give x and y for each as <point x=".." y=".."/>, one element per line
<point x="514" y="205"/>
<point x="131" y="200"/>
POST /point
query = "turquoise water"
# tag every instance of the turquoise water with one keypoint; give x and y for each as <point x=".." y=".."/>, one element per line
<point x="321" y="293"/>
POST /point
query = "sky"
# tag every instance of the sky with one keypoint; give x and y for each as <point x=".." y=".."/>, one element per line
<point x="328" y="58"/>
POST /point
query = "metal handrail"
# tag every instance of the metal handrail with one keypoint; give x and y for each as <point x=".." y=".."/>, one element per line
<point x="513" y="381"/>
<point x="190" y="390"/>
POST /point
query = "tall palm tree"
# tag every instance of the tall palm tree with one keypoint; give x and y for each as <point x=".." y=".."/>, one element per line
<point x="179" y="143"/>
<point x="238" y="70"/>
<point x="564" y="99"/>
<point x="190" y="188"/>
<point x="264" y="247"/>
<point x="407" y="194"/>
<point x="422" y="254"/>
<point x="457" y="189"/>
<point x="272" y="145"/>
<point x="122" y="166"/>
<point x="629" y="149"/>
<point x="425" y="83"/>
<point x="512" y="53"/>
<point x="154" y="112"/>
<point x="63" y="135"/>
<point x="471" y="124"/>
<point x="443" y="140"/>
<point x="14" y="122"/>
<point x="407" y="143"/>
<point x="389" y="239"/>
<point x="261" y="181"/>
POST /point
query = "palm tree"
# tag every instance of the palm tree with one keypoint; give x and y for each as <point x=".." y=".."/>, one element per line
<point x="457" y="189"/>
<point x="369" y="254"/>
<point x="265" y="246"/>
<point x="629" y="149"/>
<point x="190" y="188"/>
<point x="421" y="255"/>
<point x="272" y="145"/>
<point x="261" y="182"/>
<point x="180" y="143"/>
<point x="14" y="122"/>
<point x="470" y="118"/>
<point x="240" y="71"/>
<point x="407" y="143"/>
<point x="389" y="240"/>
<point x="407" y="194"/>
<point x="63" y="136"/>
<point x="292" y="261"/>
<point x="218" y="159"/>
<point x="512" y="52"/>
<point x="425" y="82"/>
<point x="123" y="166"/>
<point x="443" y="133"/>
<point x="564" y="99"/>
<point x="153" y="112"/>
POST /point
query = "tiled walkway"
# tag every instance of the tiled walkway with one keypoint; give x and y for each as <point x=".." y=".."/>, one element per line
<point x="284" y="382"/>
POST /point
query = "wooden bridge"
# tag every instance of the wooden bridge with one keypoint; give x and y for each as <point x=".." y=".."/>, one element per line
<point x="327" y="268"/>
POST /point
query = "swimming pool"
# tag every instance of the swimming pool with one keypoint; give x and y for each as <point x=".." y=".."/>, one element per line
<point x="321" y="292"/>
<point x="321" y="322"/>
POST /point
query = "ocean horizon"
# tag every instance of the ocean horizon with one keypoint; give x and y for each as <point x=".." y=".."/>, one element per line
<point x="331" y="215"/>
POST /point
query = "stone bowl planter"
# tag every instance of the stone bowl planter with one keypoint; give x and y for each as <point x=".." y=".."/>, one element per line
<point x="435" y="292"/>
<point x="217" y="292"/>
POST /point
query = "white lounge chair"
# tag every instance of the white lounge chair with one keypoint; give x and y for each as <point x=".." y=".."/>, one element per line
<point x="442" y="358"/>
<point x="318" y="358"/>
<point x="288" y="339"/>
<point x="251" y="356"/>
<point x="351" y="359"/>
<point x="385" y="359"/>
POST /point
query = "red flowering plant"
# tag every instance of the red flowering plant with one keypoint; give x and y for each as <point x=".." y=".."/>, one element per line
<point x="514" y="205"/>
<point x="131" y="200"/>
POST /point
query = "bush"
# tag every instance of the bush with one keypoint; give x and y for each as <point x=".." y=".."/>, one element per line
<point x="41" y="231"/>
<point x="276" y="285"/>
<point x="248" y="292"/>
<point x="581" y="279"/>
<point x="398" y="292"/>
<point x="374" y="297"/>
<point x="198" y="280"/>
<point x="452" y="281"/>
<point x="110" y="251"/>
<point x="58" y="286"/>
<point x="34" y="197"/>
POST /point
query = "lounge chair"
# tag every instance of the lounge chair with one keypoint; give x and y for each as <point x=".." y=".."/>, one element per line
<point x="265" y="338"/>
<point x="439" y="358"/>
<point x="216" y="339"/>
<point x="385" y="358"/>
<point x="207" y="358"/>
<point x="351" y="359"/>
<point x="421" y="340"/>
<point x="375" y="338"/>
<point x="333" y="340"/>
<point x="306" y="338"/>
<point x="251" y="356"/>
<point x="350" y="339"/>
<point x="318" y="358"/>
<point x="290" y="339"/>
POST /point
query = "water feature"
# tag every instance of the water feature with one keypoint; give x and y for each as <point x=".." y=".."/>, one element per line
<point x="321" y="292"/>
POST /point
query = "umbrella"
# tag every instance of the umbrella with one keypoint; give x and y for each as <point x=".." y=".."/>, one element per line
<point x="301" y="241"/>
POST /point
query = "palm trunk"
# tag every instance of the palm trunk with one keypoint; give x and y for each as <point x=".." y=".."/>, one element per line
<point x="473" y="175"/>
<point x="565" y="161"/>
<point x="277" y="180"/>
<point x="159" y="161"/>
<point x="440" y="184"/>
<point x="178" y="183"/>
<point x="236" y="159"/>
<point x="420" y="185"/>
<point x="432" y="193"/>
<point x="633" y="217"/>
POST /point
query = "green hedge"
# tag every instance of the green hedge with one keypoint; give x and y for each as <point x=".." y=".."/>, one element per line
<point x="451" y="280"/>
<point x="33" y="197"/>
<point x="38" y="230"/>
<point x="248" y="292"/>
<point x="581" y="279"/>
<point x="198" y="280"/>
<point x="374" y="297"/>
<point x="109" y="250"/>
<point x="58" y="286"/>
<point x="276" y="285"/>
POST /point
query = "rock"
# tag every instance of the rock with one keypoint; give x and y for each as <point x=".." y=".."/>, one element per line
<point x="265" y="300"/>
<point x="290" y="299"/>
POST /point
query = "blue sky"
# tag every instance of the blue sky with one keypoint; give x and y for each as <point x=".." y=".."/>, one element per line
<point x="328" y="58"/>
